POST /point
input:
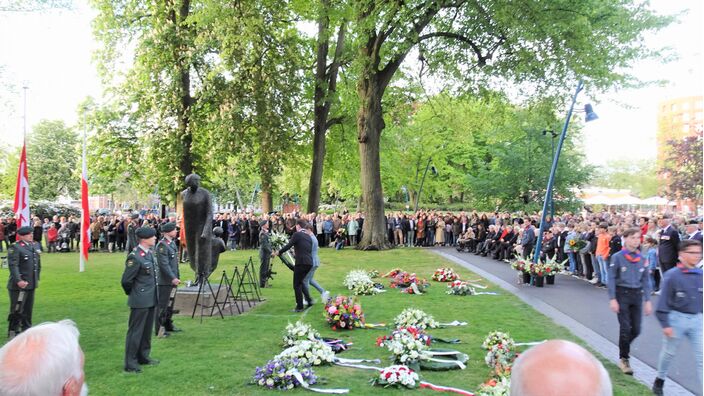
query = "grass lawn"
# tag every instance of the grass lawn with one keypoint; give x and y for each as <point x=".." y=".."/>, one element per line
<point x="219" y="356"/>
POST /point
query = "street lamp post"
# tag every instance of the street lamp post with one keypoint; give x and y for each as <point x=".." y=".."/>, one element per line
<point x="435" y="172"/>
<point x="553" y="135"/>
<point x="590" y="116"/>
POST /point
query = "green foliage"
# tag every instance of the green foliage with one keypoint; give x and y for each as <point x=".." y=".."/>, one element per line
<point x="9" y="164"/>
<point x="53" y="161"/>
<point x="639" y="176"/>
<point x="683" y="167"/>
<point x="42" y="209"/>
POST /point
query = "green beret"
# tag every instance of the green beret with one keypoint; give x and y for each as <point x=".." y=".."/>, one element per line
<point x="168" y="227"/>
<point x="145" y="232"/>
<point x="263" y="223"/>
<point x="134" y="216"/>
<point x="25" y="230"/>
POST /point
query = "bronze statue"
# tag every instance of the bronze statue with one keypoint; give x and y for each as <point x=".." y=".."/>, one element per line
<point x="198" y="224"/>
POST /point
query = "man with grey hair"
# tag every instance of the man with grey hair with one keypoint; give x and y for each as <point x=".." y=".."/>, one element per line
<point x="45" y="360"/>
<point x="549" y="369"/>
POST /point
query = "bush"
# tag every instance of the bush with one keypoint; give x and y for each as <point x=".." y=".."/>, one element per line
<point x="41" y="209"/>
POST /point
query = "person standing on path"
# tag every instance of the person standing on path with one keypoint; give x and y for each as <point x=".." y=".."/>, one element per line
<point x="679" y="310"/>
<point x="628" y="286"/>
<point x="668" y="242"/>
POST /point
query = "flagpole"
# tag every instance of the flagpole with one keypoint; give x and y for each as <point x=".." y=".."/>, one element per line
<point x="85" y="219"/>
<point x="24" y="117"/>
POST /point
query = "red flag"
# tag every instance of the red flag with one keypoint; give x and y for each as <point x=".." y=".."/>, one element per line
<point x="21" y="207"/>
<point x="85" y="212"/>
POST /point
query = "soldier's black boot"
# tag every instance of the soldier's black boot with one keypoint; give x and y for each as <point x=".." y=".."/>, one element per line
<point x="657" y="386"/>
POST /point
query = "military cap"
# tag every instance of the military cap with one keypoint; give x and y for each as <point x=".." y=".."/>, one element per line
<point x="145" y="232"/>
<point x="134" y="216"/>
<point x="218" y="231"/>
<point x="25" y="230"/>
<point x="168" y="227"/>
<point x="263" y="223"/>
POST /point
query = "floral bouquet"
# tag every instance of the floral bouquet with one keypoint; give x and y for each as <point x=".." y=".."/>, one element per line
<point x="406" y="344"/>
<point x="397" y="376"/>
<point x="460" y="288"/>
<point x="496" y="338"/>
<point x="411" y="317"/>
<point x="445" y="275"/>
<point x="495" y="387"/>
<point x="344" y="312"/>
<point x="500" y="358"/>
<point x="281" y="373"/>
<point x="520" y="264"/>
<point x="299" y="332"/>
<point x="359" y="282"/>
<point x="576" y="245"/>
<point x="537" y="269"/>
<point x="373" y="274"/>
<point x="392" y="273"/>
<point x="314" y="352"/>
<point x="552" y="266"/>
<point x="409" y="282"/>
<point x="279" y="240"/>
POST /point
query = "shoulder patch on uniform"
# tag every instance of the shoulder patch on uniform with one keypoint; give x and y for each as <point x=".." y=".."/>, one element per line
<point x="130" y="262"/>
<point x="161" y="248"/>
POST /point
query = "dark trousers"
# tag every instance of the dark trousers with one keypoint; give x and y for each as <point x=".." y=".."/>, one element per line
<point x="264" y="265"/>
<point x="162" y="318"/>
<point x="527" y="250"/>
<point x="630" y="315"/>
<point x="24" y="320"/>
<point x="666" y="265"/>
<point x="300" y="289"/>
<point x="138" y="343"/>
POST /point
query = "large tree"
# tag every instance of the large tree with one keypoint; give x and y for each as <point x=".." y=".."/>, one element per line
<point x="157" y="89"/>
<point x="550" y="44"/>
<point x="52" y="160"/>
<point x="683" y="167"/>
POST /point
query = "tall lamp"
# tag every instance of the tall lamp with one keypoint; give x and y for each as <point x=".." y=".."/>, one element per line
<point x="589" y="116"/>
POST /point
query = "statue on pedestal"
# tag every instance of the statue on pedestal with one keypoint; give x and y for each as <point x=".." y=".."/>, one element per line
<point x="198" y="224"/>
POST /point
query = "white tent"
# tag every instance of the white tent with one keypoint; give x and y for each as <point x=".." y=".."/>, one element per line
<point x="654" y="201"/>
<point x="599" y="200"/>
<point x="627" y="200"/>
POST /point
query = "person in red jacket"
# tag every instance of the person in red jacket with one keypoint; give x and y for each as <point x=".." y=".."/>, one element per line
<point x="52" y="236"/>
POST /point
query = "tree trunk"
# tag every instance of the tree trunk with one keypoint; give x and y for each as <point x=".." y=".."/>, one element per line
<point x="325" y="85"/>
<point x="267" y="201"/>
<point x="370" y="123"/>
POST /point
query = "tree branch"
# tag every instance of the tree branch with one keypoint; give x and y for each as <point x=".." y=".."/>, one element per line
<point x="477" y="51"/>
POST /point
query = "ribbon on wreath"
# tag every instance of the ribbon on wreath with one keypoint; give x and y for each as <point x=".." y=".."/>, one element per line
<point x="529" y="343"/>
<point x="453" y="323"/>
<point x="337" y="345"/>
<point x="439" y="388"/>
<point x="348" y="361"/>
<point x="446" y="340"/>
<point x="307" y="386"/>
<point x="486" y="293"/>
<point x="374" y="326"/>
<point x="443" y="359"/>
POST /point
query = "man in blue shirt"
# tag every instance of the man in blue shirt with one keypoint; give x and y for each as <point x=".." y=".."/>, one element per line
<point x="628" y="286"/>
<point x="680" y="309"/>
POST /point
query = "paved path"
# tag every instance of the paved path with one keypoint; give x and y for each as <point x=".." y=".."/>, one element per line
<point x="583" y="308"/>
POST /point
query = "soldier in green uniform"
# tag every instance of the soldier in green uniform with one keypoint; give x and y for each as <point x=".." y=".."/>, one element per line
<point x="264" y="253"/>
<point x="168" y="277"/>
<point x="131" y="229"/>
<point x="25" y="265"/>
<point x="139" y="283"/>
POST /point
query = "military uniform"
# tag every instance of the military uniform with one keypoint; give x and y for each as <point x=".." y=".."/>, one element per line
<point x="25" y="265"/>
<point x="264" y="257"/>
<point x="139" y="282"/>
<point x="167" y="260"/>
<point x="131" y="236"/>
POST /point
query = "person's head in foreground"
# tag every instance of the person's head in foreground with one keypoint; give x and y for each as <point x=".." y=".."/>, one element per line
<point x="549" y="369"/>
<point x="45" y="360"/>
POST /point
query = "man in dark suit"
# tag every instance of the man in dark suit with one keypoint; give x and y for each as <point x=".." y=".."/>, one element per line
<point x="693" y="231"/>
<point x="139" y="283"/>
<point x="168" y="276"/>
<point x="303" y="245"/>
<point x="667" y="245"/>
<point x="25" y="266"/>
